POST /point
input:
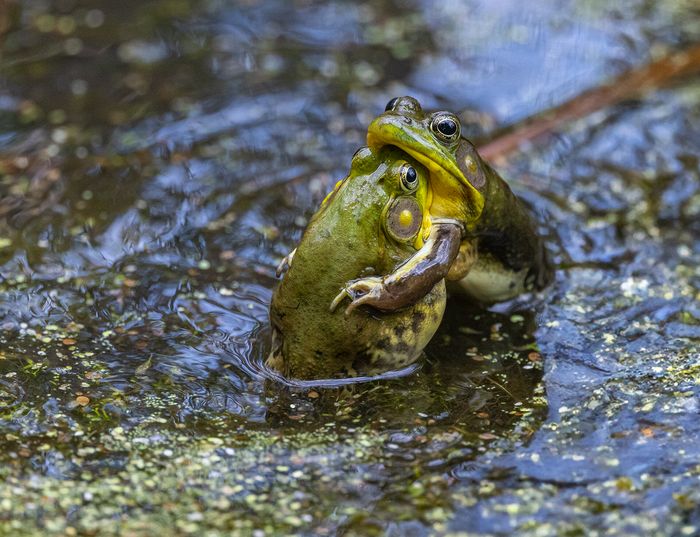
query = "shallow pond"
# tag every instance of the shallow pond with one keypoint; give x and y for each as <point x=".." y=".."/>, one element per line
<point x="158" y="158"/>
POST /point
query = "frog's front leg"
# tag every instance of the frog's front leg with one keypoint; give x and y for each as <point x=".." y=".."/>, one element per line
<point x="285" y="263"/>
<point x="413" y="279"/>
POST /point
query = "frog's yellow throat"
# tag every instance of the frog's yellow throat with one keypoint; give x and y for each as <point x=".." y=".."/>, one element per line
<point x="427" y="221"/>
<point x="450" y="194"/>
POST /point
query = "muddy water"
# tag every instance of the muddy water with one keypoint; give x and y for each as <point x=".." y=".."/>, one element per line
<point x="158" y="158"/>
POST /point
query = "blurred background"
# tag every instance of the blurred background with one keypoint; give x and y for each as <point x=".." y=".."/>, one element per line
<point x="158" y="158"/>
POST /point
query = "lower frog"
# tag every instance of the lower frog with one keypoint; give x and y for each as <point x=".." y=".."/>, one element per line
<point x="371" y="233"/>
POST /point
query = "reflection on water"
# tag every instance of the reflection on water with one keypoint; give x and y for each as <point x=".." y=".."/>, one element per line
<point x="158" y="158"/>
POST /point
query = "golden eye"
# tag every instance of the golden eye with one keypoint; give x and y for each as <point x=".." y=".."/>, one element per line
<point x="445" y="126"/>
<point x="409" y="178"/>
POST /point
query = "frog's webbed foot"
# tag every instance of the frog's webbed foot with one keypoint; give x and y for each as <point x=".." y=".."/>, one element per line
<point x="285" y="263"/>
<point x="370" y="291"/>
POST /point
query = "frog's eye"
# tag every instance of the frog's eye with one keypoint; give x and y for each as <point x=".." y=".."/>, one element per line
<point x="409" y="178"/>
<point x="390" y="105"/>
<point x="446" y="127"/>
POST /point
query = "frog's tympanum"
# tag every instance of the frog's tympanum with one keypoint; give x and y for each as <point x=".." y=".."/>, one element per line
<point x="463" y="188"/>
<point x="364" y="291"/>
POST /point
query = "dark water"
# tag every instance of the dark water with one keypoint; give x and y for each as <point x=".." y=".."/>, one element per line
<point x="158" y="158"/>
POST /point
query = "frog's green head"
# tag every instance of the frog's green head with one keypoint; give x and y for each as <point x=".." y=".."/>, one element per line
<point x="434" y="140"/>
<point x="384" y="184"/>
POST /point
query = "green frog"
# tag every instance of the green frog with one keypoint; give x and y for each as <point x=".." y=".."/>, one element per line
<point x="501" y="254"/>
<point x="371" y="232"/>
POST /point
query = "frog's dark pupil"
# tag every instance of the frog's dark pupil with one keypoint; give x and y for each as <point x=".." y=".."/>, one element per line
<point x="447" y="127"/>
<point x="411" y="175"/>
<point x="390" y="104"/>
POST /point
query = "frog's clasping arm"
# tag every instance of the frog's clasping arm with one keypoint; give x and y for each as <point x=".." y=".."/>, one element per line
<point x="412" y="280"/>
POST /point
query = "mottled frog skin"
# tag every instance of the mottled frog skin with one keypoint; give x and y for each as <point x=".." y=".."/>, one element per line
<point x="371" y="227"/>
<point x="511" y="258"/>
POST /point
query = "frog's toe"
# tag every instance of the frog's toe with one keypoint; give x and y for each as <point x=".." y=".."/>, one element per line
<point x="339" y="298"/>
<point x="364" y="291"/>
<point x="285" y="263"/>
<point x="369" y="299"/>
<point x="367" y="291"/>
